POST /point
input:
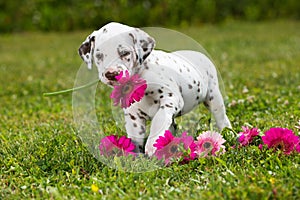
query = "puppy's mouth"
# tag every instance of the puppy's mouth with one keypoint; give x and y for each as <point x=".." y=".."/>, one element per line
<point x="111" y="76"/>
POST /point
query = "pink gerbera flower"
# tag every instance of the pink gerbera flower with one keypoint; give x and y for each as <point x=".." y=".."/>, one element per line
<point x="247" y="135"/>
<point x="210" y="142"/>
<point x="169" y="147"/>
<point x="298" y="148"/>
<point x="116" y="146"/>
<point x="128" y="90"/>
<point x="282" y="139"/>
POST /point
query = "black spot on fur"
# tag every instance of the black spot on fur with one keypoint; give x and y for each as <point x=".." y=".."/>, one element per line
<point x="99" y="56"/>
<point x="190" y="86"/>
<point x="169" y="106"/>
<point x="155" y="101"/>
<point x="132" y="116"/>
<point x="160" y="91"/>
<point x="134" y="125"/>
<point x="141" y="117"/>
<point x="146" y="55"/>
<point x="143" y="130"/>
<point x="142" y="112"/>
<point x="162" y="96"/>
<point x="170" y="94"/>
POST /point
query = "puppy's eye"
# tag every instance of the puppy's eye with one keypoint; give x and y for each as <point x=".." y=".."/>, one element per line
<point x="124" y="53"/>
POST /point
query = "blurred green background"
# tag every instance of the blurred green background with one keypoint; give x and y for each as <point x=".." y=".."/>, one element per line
<point x="68" y="15"/>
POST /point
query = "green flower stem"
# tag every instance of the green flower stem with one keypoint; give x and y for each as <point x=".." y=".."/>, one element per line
<point x="71" y="90"/>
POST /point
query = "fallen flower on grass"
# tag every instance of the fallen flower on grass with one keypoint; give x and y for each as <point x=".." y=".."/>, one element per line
<point x="210" y="142"/>
<point x="189" y="146"/>
<point x="116" y="146"/>
<point x="169" y="147"/>
<point x="281" y="139"/>
<point x="298" y="148"/>
<point x="129" y="89"/>
<point x="246" y="137"/>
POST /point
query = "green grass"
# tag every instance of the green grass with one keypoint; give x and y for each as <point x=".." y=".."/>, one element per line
<point x="41" y="157"/>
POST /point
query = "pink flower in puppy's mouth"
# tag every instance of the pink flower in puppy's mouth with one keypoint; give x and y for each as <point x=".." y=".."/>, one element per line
<point x="129" y="89"/>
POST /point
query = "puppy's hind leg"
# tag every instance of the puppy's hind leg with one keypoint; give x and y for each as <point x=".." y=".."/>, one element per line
<point x="214" y="102"/>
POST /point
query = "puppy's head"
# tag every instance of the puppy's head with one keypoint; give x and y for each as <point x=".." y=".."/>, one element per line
<point x="115" y="48"/>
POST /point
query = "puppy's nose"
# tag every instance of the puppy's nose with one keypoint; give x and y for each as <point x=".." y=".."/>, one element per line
<point x="111" y="75"/>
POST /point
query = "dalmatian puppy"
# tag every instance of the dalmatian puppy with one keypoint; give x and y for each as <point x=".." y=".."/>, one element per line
<point x="176" y="82"/>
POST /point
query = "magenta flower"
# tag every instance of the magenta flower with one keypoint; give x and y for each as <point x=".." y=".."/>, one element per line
<point x="169" y="147"/>
<point x="210" y="142"/>
<point x="116" y="146"/>
<point x="128" y="90"/>
<point x="163" y="141"/>
<point x="246" y="137"/>
<point x="189" y="145"/>
<point x="282" y="139"/>
<point x="298" y="148"/>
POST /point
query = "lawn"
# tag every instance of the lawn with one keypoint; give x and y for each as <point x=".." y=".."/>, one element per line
<point x="42" y="157"/>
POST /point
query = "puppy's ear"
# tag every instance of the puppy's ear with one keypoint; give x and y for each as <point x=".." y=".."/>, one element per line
<point x="143" y="44"/>
<point x="86" y="51"/>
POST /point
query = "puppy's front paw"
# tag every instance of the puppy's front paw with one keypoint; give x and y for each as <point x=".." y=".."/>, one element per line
<point x="149" y="149"/>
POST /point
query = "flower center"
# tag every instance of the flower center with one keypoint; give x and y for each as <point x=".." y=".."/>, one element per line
<point x="127" y="88"/>
<point x="279" y="146"/>
<point x="207" y="145"/>
<point x="173" y="149"/>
